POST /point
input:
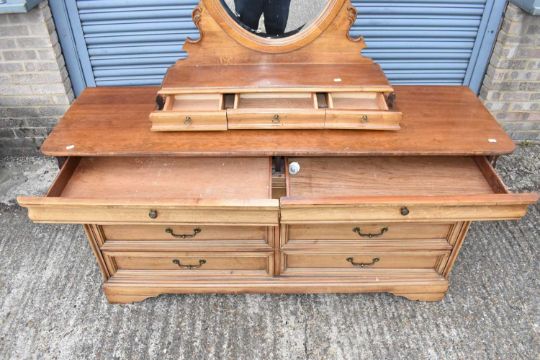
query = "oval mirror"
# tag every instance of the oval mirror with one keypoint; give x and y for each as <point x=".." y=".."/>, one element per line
<point x="274" y="18"/>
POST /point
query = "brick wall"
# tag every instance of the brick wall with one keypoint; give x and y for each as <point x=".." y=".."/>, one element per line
<point x="511" y="88"/>
<point x="34" y="85"/>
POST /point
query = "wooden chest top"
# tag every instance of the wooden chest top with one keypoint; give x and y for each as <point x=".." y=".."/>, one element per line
<point x="437" y="120"/>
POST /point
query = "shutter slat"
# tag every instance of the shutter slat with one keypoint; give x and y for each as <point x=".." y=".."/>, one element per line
<point x="133" y="42"/>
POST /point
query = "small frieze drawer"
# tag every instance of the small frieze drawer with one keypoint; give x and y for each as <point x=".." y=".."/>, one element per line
<point x="360" y="110"/>
<point x="276" y="111"/>
<point x="190" y="112"/>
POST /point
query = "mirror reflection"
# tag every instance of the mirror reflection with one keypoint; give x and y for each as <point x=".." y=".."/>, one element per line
<point x="274" y="18"/>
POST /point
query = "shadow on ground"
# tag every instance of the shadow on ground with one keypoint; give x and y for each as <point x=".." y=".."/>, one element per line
<point x="52" y="305"/>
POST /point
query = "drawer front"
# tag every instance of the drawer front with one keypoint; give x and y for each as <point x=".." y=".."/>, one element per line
<point x="159" y="191"/>
<point x="497" y="207"/>
<point x="192" y="263"/>
<point x="298" y="263"/>
<point x="189" y="121"/>
<point x="49" y="210"/>
<point x="275" y="119"/>
<point x="358" y="119"/>
<point x="257" y="234"/>
<point x="358" y="233"/>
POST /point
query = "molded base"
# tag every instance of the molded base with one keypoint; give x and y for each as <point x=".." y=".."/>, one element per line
<point x="427" y="286"/>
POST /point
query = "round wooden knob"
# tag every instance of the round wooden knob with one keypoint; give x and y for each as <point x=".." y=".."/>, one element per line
<point x="294" y="168"/>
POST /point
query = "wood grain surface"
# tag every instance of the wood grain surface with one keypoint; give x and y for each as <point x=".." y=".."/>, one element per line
<point x="387" y="176"/>
<point x="437" y="120"/>
<point x="166" y="178"/>
<point x="274" y="77"/>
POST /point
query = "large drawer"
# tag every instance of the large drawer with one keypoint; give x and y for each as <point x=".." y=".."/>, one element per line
<point x="200" y="233"/>
<point x="191" y="263"/>
<point x="403" y="189"/>
<point x="333" y="234"/>
<point x="185" y="237"/>
<point x="354" y="262"/>
<point x="159" y="190"/>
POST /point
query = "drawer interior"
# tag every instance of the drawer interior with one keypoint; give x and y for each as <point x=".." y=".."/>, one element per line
<point x="194" y="102"/>
<point x="300" y="100"/>
<point x="164" y="178"/>
<point x="393" y="176"/>
<point x="357" y="101"/>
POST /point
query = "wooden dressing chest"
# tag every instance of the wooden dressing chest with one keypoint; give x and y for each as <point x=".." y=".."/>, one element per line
<point x="201" y="194"/>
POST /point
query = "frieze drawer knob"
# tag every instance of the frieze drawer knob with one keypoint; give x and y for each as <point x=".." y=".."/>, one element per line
<point x="152" y="214"/>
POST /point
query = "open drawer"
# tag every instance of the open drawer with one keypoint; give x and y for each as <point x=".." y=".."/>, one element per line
<point x="367" y="189"/>
<point x="276" y="110"/>
<point x="360" y="110"/>
<point x="159" y="190"/>
<point x="191" y="112"/>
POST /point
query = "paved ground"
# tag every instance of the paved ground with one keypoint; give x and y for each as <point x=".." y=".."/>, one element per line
<point x="52" y="306"/>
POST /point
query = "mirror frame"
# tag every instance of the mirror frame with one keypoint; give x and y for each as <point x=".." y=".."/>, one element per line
<point x="273" y="45"/>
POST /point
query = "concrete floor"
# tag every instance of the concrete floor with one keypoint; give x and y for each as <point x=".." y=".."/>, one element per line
<point x="52" y="305"/>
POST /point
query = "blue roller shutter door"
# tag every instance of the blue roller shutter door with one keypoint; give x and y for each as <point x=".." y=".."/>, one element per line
<point x="133" y="42"/>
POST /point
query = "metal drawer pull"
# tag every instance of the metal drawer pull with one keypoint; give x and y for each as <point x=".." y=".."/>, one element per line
<point x="189" y="267"/>
<point x="362" y="265"/>
<point x="183" y="236"/>
<point x="359" y="232"/>
<point x="404" y="211"/>
<point x="188" y="121"/>
<point x="276" y="119"/>
<point x="160" y="102"/>
<point x="152" y="214"/>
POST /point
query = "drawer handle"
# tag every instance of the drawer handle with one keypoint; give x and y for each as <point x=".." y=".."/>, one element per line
<point x="188" y="121"/>
<point x="276" y="119"/>
<point x="152" y="214"/>
<point x="365" y="118"/>
<point x="183" y="236"/>
<point x="189" y="267"/>
<point x="404" y="211"/>
<point x="380" y="233"/>
<point x="160" y="102"/>
<point x="363" y="265"/>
